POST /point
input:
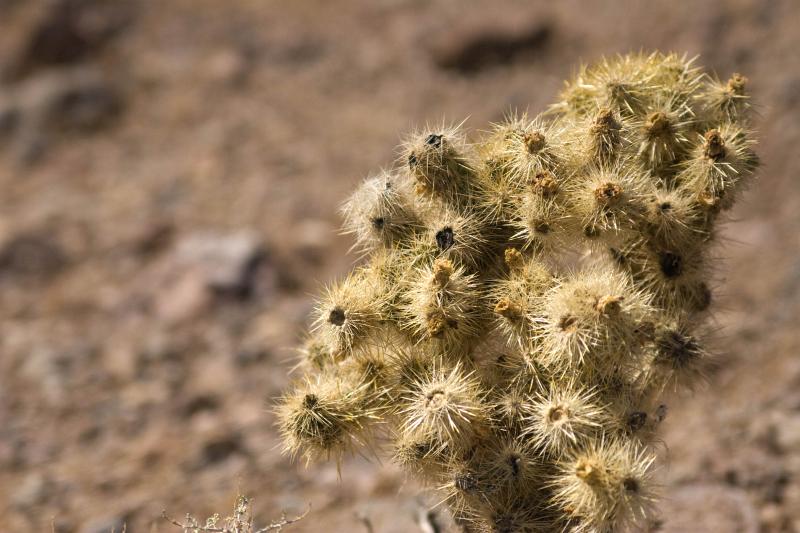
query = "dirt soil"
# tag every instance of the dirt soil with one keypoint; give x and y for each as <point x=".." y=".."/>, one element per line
<point x="171" y="173"/>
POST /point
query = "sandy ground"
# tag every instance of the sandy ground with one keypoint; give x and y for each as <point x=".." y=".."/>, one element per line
<point x="171" y="173"/>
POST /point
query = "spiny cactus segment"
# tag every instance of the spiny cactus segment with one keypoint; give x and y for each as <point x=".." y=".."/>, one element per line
<point x="531" y="297"/>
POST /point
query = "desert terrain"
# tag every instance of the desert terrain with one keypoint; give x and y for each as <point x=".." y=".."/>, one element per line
<point x="170" y="178"/>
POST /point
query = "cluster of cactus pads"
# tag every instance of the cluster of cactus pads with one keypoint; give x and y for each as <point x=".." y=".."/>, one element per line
<point x="528" y="299"/>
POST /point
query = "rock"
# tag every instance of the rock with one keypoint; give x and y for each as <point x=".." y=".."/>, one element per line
<point x="61" y="524"/>
<point x="152" y="237"/>
<point x="473" y="50"/>
<point x="249" y="355"/>
<point x="213" y="376"/>
<point x="157" y="348"/>
<point x="787" y="432"/>
<point x="708" y="509"/>
<point x="227" y="67"/>
<point x="268" y="329"/>
<point x="56" y="103"/>
<point x="9" y="120"/>
<point x="46" y="368"/>
<point x="226" y="263"/>
<point x="66" y="32"/>
<point x="120" y="359"/>
<point x="105" y="524"/>
<point x="52" y="367"/>
<point x="773" y="518"/>
<point x="219" y="448"/>
<point x="312" y="239"/>
<point x="33" y="254"/>
<point x="84" y="101"/>
<point x="184" y="295"/>
<point x="199" y="403"/>
<point x="33" y="491"/>
<point x="197" y="270"/>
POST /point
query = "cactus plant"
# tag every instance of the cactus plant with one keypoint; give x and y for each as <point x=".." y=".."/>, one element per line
<point x="530" y="299"/>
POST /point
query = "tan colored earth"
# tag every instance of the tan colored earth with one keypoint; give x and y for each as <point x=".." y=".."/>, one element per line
<point x="171" y="173"/>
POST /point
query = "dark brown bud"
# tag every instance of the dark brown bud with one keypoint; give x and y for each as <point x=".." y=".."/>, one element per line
<point x="310" y="401"/>
<point x="608" y="193"/>
<point x="337" y="316"/>
<point x="438" y="323"/>
<point x="508" y="309"/>
<point x="605" y="123"/>
<point x="558" y="413"/>
<point x="657" y="123"/>
<point x="609" y="305"/>
<point x="587" y="471"/>
<point x="378" y="223"/>
<point x="545" y="184"/>
<point x="568" y="323"/>
<point x="434" y="140"/>
<point x="534" y="141"/>
<point x="737" y="84"/>
<point x="709" y="201"/>
<point x="435" y="399"/>
<point x="466" y="482"/>
<point x="637" y="420"/>
<point x="591" y="232"/>
<point x="445" y="238"/>
<point x="442" y="270"/>
<point x="714" y="145"/>
<point x="676" y="350"/>
<point x="514" y="258"/>
<point x="618" y="256"/>
<point x="671" y="264"/>
<point x="630" y="484"/>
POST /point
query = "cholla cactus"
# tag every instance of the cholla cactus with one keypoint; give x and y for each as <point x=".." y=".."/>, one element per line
<point x="530" y="299"/>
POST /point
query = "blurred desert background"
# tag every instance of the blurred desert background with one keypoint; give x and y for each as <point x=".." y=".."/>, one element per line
<point x="171" y="173"/>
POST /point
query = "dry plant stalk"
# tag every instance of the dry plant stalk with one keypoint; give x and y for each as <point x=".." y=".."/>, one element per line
<point x="524" y="381"/>
<point x="240" y="521"/>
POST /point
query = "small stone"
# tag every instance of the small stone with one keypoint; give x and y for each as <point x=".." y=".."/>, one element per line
<point x="226" y="262"/>
<point x="54" y="103"/>
<point x="33" y="254"/>
<point x="788" y="432"/>
<point x="708" y="509"/>
<point x="9" y="120"/>
<point x="312" y="239"/>
<point x="120" y="360"/>
<point x="34" y="490"/>
<point x="220" y="448"/>
<point x="47" y="369"/>
<point x="200" y="403"/>
<point x="84" y="101"/>
<point x="249" y="355"/>
<point x="62" y="524"/>
<point x="67" y="32"/>
<point x="183" y="299"/>
<point x="106" y="524"/>
<point x="470" y="49"/>
<point x="227" y="66"/>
